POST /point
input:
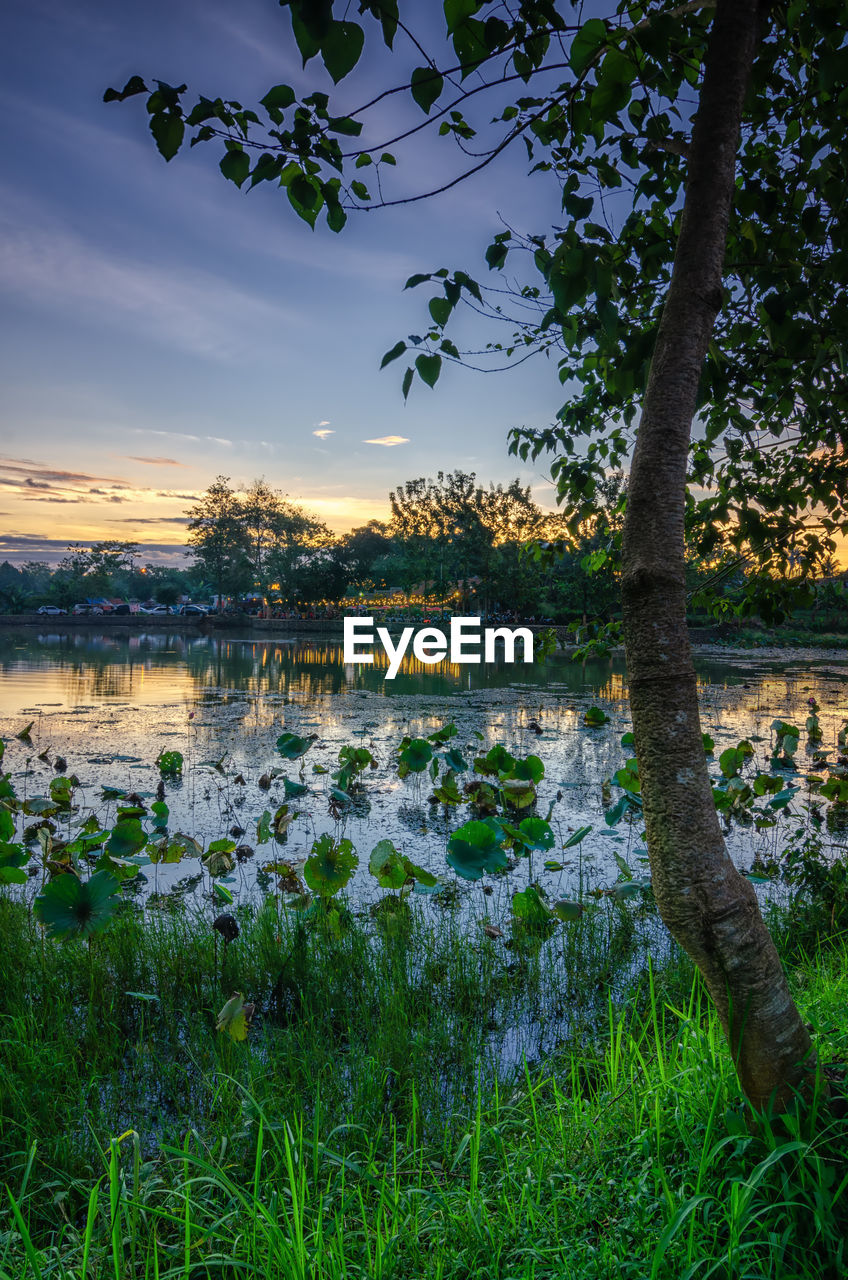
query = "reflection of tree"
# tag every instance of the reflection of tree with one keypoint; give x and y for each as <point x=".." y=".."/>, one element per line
<point x="89" y="667"/>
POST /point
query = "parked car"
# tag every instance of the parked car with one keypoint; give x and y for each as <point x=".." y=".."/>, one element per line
<point x="87" y="610"/>
<point x="193" y="610"/>
<point x="157" y="611"/>
<point x="52" y="611"/>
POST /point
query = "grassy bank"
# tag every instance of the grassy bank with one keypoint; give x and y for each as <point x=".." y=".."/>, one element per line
<point x="421" y="1101"/>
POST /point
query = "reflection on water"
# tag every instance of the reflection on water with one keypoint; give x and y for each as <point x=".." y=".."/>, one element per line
<point x="71" y="668"/>
<point x="110" y="703"/>
<point x="145" y="669"/>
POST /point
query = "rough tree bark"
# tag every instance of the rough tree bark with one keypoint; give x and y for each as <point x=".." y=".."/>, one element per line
<point x="706" y="904"/>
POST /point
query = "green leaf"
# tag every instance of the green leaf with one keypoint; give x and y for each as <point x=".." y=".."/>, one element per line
<point x="387" y="866"/>
<point x="329" y="866"/>
<point x="278" y="98"/>
<point x="292" y="747"/>
<point x="440" y="309"/>
<point x="426" y="86"/>
<point x="456" y="12"/>
<point x="235" y="165"/>
<point x="576" y="837"/>
<point x="235" y="1017"/>
<point x="407" y="382"/>
<point x="591" y="37"/>
<point x="474" y="850"/>
<point x="529" y="907"/>
<point x="126" y="839"/>
<point x="341" y="48"/>
<point x="566" y="910"/>
<point x="219" y="859"/>
<point x="531" y="769"/>
<point x="595" y="717"/>
<point x="336" y="217"/>
<point x="416" y="755"/>
<point x="168" y="130"/>
<point x="496" y="255"/>
<point x="429" y="367"/>
<point x="134" y="85"/>
<point x="397" y="350"/>
<point x="170" y="763"/>
<point x="536" y="833"/>
<point x="12" y="875"/>
<point x="72" y="908"/>
<point x="293" y="789"/>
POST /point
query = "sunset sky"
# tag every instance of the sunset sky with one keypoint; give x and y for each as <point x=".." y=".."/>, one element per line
<point x="159" y="327"/>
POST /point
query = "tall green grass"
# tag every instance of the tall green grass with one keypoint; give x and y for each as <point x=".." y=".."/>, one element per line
<point x="423" y="1103"/>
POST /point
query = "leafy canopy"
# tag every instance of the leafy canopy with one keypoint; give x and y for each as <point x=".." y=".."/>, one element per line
<point x="603" y="107"/>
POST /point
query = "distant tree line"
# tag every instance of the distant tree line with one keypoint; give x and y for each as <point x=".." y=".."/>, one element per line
<point x="490" y="548"/>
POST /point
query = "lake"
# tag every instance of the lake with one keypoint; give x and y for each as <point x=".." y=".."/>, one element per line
<point x="110" y="702"/>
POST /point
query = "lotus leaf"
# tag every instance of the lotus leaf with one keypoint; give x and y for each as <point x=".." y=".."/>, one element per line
<point x="126" y="839"/>
<point x="595" y="717"/>
<point x="496" y="761"/>
<point x="443" y="734"/>
<point x="387" y="866"/>
<point x="529" y="907"/>
<point x="192" y="848"/>
<point x="628" y="777"/>
<point x="235" y="1017"/>
<point x="330" y="865"/>
<point x="518" y="794"/>
<point x="424" y="878"/>
<point x="566" y="910"/>
<point x="120" y="868"/>
<point x="415" y="756"/>
<point x="455" y="760"/>
<point x="576" y="837"/>
<point x="61" y="791"/>
<point x="291" y="747"/>
<point x="166" y="851"/>
<point x="530" y="769"/>
<point x="448" y="792"/>
<point x="72" y="908"/>
<point x="170" y="763"/>
<point x="474" y="850"/>
<point x="294" y="788"/>
<point x="536" y="833"/>
<point x="219" y="857"/>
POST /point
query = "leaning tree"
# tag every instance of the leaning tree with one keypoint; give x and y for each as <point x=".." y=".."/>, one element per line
<point x="689" y="292"/>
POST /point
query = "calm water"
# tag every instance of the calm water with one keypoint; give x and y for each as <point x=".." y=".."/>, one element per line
<point x="109" y="703"/>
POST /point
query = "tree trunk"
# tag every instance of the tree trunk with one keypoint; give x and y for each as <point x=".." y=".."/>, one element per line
<point x="707" y="905"/>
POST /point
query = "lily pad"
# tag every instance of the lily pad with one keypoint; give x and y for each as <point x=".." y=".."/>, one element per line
<point x="292" y="747"/>
<point x="474" y="850"/>
<point x="72" y="908"/>
<point x="330" y="865"/>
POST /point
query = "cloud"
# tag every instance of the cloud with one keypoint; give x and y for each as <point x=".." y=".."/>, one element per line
<point x="388" y="441"/>
<point x="193" y="310"/>
<point x="325" y="422"/>
<point x="155" y="462"/>
<point x="322" y="433"/>
<point x="19" y="547"/>
<point x="178" y="435"/>
<point x="151" y="520"/>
